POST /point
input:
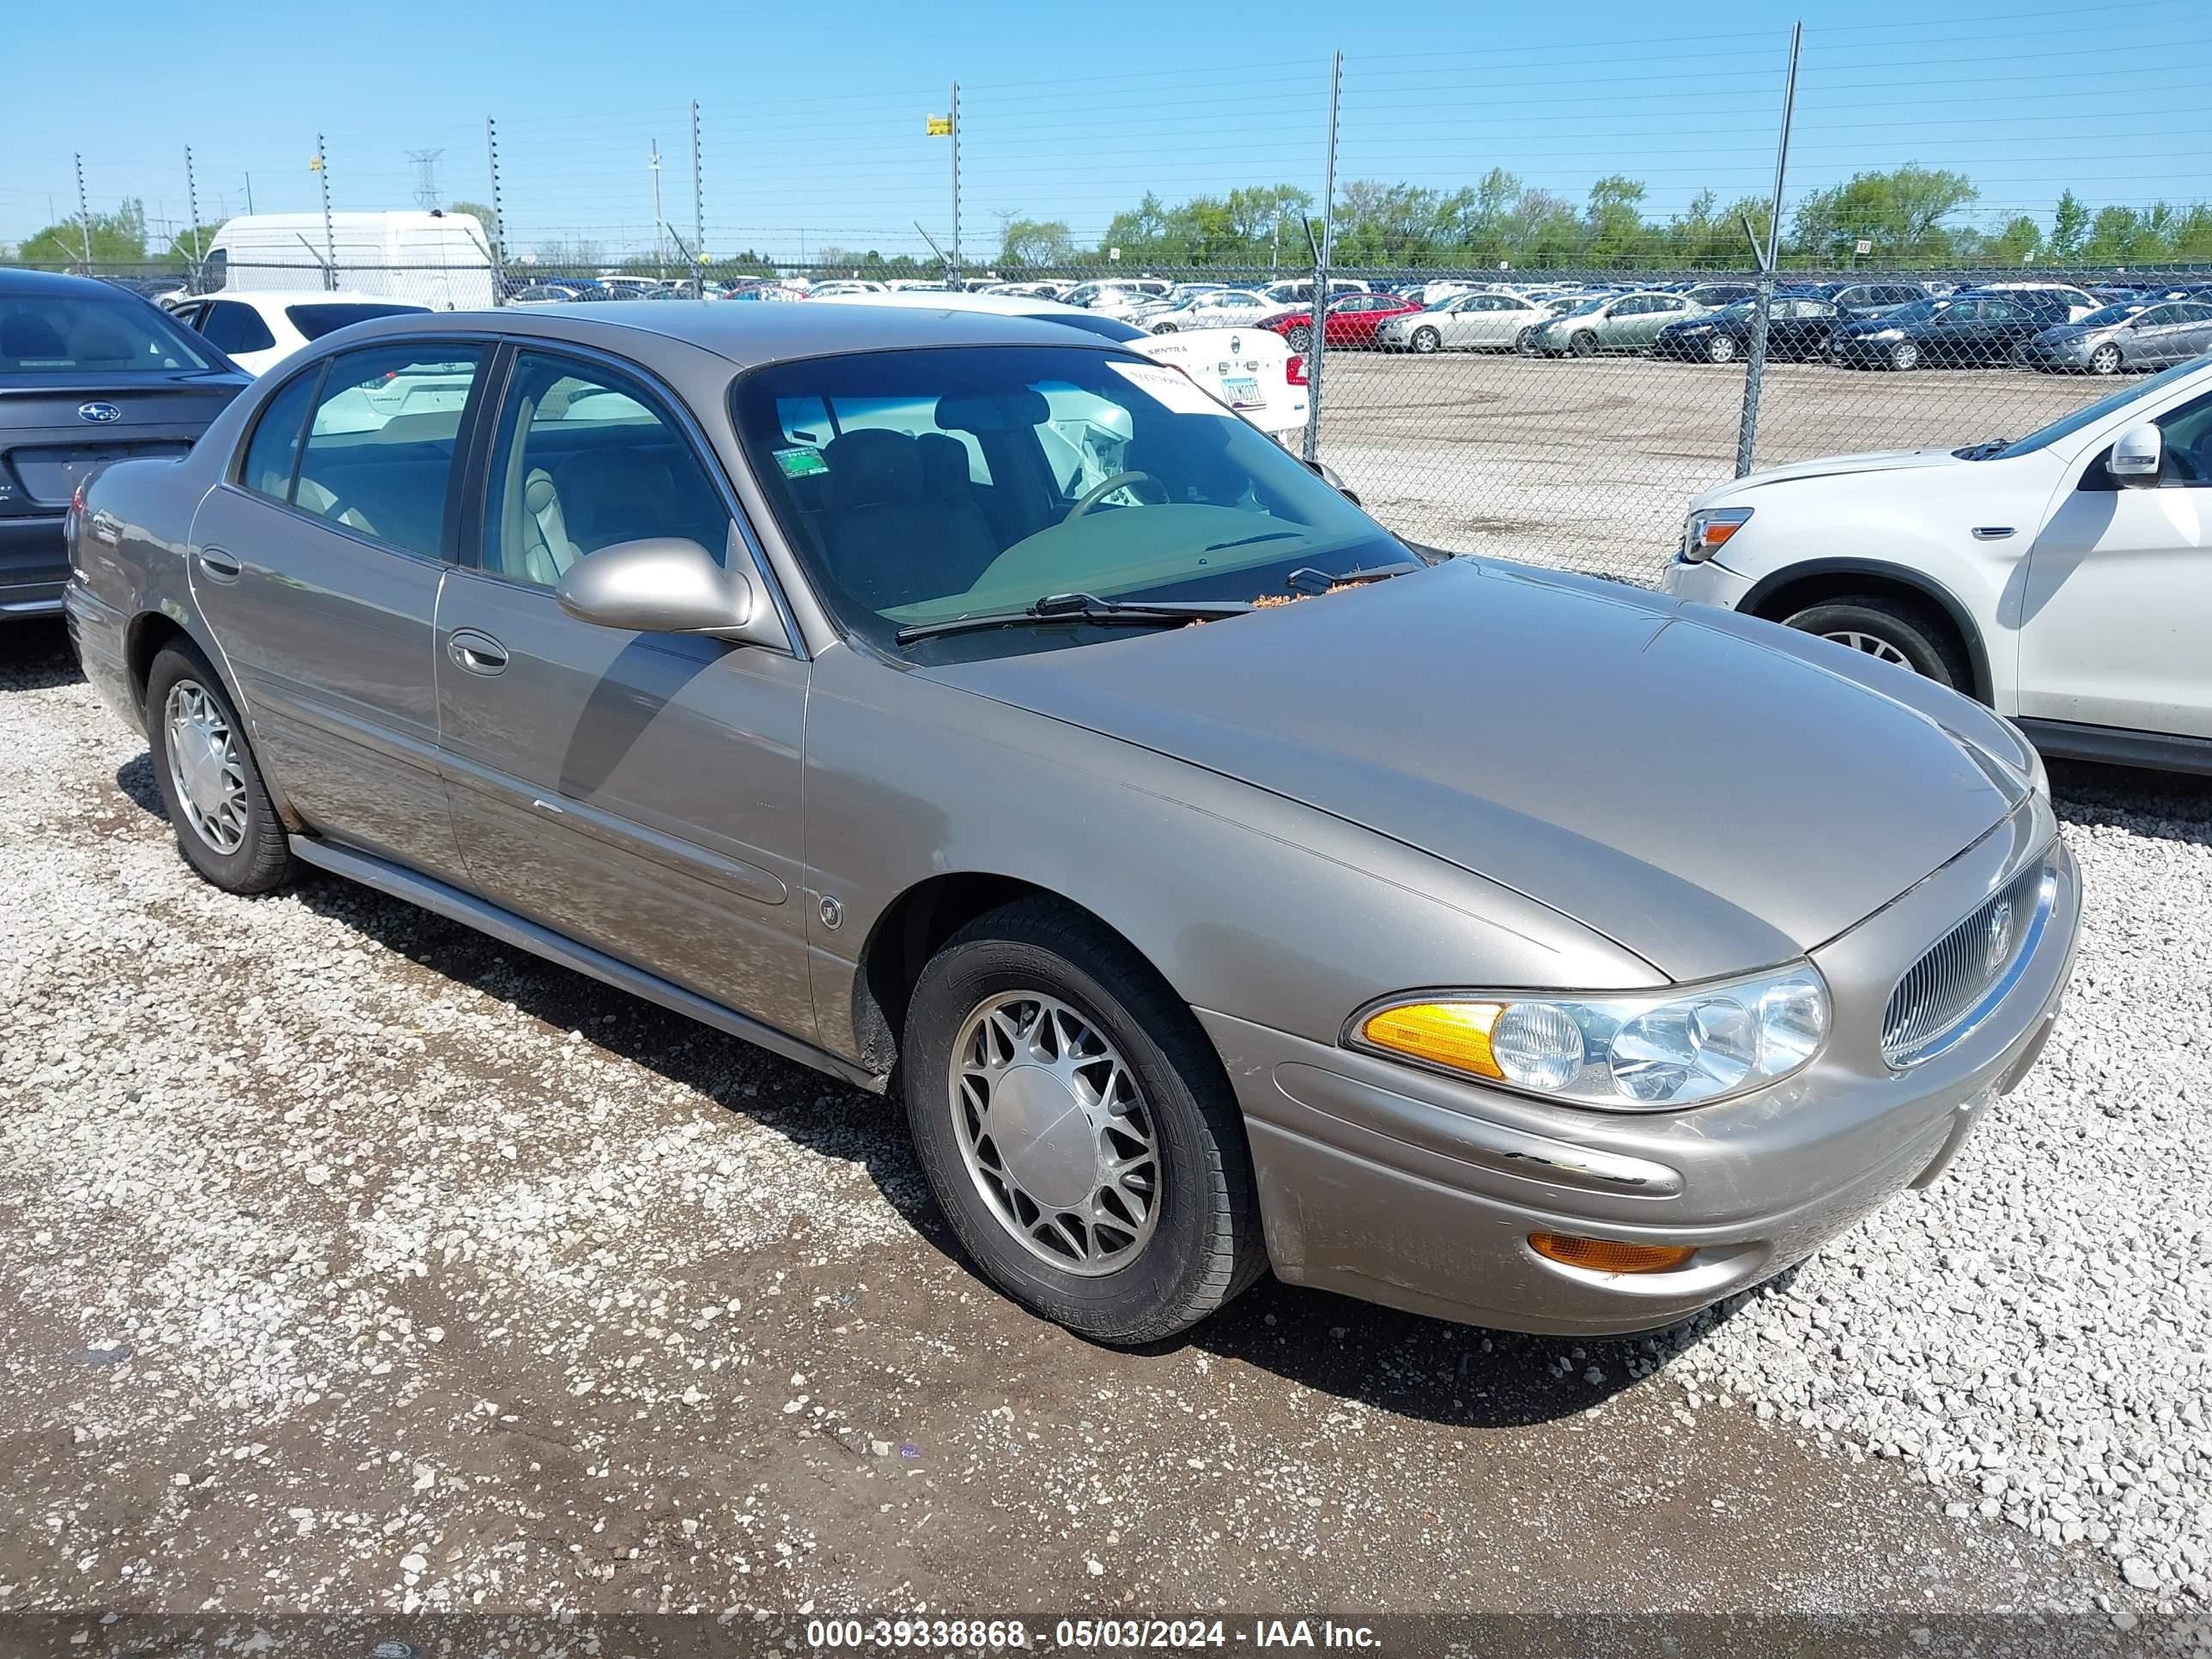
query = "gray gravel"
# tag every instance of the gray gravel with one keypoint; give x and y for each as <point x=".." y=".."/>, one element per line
<point x="356" y="1262"/>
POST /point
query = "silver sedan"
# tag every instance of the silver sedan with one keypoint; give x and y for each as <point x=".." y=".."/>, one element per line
<point x="836" y="676"/>
<point x="2132" y="335"/>
<point x="1469" y="322"/>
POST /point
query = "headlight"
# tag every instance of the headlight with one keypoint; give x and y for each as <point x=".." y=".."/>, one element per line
<point x="1706" y="530"/>
<point x="1624" y="1051"/>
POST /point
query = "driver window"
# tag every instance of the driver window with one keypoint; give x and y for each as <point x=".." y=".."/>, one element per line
<point x="581" y="459"/>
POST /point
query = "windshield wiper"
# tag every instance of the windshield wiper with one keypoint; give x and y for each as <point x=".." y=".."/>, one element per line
<point x="1246" y="541"/>
<point x="1307" y="578"/>
<point x="1075" y="608"/>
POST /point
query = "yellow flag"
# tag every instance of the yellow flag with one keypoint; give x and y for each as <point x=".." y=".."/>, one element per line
<point x="314" y="164"/>
<point x="940" y="126"/>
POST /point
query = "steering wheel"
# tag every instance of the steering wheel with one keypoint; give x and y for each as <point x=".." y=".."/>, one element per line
<point x="1092" y="497"/>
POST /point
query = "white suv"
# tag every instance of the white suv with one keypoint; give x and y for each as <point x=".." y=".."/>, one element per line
<point x="2064" y="578"/>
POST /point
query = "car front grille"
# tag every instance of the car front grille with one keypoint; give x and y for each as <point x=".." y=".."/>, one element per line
<point x="1941" y="996"/>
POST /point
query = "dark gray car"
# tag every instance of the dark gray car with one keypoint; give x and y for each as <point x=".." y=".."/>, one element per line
<point x="929" y="698"/>
<point x="89" y="374"/>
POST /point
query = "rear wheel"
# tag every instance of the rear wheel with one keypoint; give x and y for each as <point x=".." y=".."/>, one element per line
<point x="1076" y="1126"/>
<point x="1426" y="340"/>
<point x="1905" y="353"/>
<point x="227" y="827"/>
<point x="1892" y="631"/>
<point x="1583" y="344"/>
<point x="1299" y="339"/>
<point x="1525" y="341"/>
<point x="2017" y="356"/>
<point x="1720" y="348"/>
<point x="2105" y="360"/>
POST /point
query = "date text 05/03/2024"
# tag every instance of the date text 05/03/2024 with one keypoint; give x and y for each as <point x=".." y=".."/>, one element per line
<point x="1083" y="1634"/>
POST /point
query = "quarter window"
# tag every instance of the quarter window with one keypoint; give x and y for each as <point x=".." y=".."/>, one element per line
<point x="231" y="326"/>
<point x="378" y="456"/>
<point x="583" y="457"/>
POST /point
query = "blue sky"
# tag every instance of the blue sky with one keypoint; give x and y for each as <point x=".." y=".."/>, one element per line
<point x="811" y="115"/>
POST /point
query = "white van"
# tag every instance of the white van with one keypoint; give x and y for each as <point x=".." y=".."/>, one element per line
<point x="440" y="260"/>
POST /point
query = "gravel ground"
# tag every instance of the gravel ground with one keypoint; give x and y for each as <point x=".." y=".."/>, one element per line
<point x="360" y="1263"/>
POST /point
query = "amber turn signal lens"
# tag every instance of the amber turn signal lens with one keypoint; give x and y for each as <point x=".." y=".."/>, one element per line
<point x="1716" y="531"/>
<point x="1608" y="1256"/>
<point x="1453" y="1034"/>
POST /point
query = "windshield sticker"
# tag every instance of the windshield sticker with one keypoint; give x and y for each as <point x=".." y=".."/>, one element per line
<point x="1170" y="386"/>
<point x="801" y="462"/>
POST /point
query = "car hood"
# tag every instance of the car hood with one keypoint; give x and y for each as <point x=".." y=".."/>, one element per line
<point x="1831" y="466"/>
<point x="1708" y="798"/>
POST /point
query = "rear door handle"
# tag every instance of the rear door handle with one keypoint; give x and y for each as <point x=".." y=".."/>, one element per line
<point x="219" y="564"/>
<point x="479" y="653"/>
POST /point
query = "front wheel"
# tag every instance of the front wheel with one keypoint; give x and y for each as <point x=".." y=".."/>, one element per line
<point x="1720" y="349"/>
<point x="1891" y="630"/>
<point x="1525" y="341"/>
<point x="1427" y="340"/>
<point x="1583" y="345"/>
<point x="1904" y="355"/>
<point x="1163" y="328"/>
<point x="1077" y="1127"/>
<point x="227" y="827"/>
<point x="2105" y="360"/>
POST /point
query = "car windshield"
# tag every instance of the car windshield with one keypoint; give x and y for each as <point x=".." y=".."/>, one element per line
<point x="922" y="486"/>
<point x="96" y="332"/>
<point x="1918" y="312"/>
<point x="2090" y="414"/>
<point x="1107" y="328"/>
<point x="2114" y="313"/>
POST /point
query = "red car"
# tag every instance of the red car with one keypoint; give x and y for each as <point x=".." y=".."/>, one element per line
<point x="1352" y="319"/>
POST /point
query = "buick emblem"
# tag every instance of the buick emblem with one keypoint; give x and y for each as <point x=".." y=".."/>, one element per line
<point x="98" y="414"/>
<point x="1997" y="945"/>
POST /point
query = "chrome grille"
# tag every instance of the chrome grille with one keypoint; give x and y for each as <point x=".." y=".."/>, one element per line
<point x="1956" y="979"/>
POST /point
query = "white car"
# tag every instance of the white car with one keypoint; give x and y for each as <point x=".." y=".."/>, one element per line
<point x="1223" y="308"/>
<point x="1251" y="370"/>
<point x="1299" y="290"/>
<point x="843" y="289"/>
<point x="2064" y="578"/>
<point x="258" y="330"/>
<point x="1473" y="322"/>
<point x="1122" y="300"/>
<point x="2078" y="304"/>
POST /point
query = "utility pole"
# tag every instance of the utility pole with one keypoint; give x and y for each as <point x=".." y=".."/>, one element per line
<point x="1322" y="250"/>
<point x="498" y="219"/>
<point x="952" y="271"/>
<point x="249" y="195"/>
<point x="698" y="213"/>
<point x="659" y="238"/>
<point x="83" y="215"/>
<point x="329" y="235"/>
<point x="1754" y="374"/>
<point x="192" y="205"/>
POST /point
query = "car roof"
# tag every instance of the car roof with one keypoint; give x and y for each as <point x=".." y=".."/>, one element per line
<point x="744" y="335"/>
<point x="54" y="281"/>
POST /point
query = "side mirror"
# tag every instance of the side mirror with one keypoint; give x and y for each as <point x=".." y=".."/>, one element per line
<point x="2138" y="456"/>
<point x="667" y="584"/>
<point x="1327" y="475"/>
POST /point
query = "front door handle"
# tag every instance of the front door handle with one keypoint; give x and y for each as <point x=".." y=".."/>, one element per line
<point x="219" y="564"/>
<point x="479" y="653"/>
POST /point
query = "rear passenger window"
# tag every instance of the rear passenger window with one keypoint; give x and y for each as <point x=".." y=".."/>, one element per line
<point x="379" y="457"/>
<point x="235" y="327"/>
<point x="583" y="457"/>
<point x="275" y="446"/>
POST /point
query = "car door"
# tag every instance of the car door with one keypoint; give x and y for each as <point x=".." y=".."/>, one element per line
<point x="317" y="564"/>
<point x="2164" y="334"/>
<point x="1485" y="320"/>
<point x="636" y="792"/>
<point x="2118" y="605"/>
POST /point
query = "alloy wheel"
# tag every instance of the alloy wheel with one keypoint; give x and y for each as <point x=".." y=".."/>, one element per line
<point x="1904" y="355"/>
<point x="1871" y="645"/>
<point x="2105" y="360"/>
<point x="1055" y="1133"/>
<point x="1300" y="339"/>
<point x="204" y="766"/>
<point x="1426" y="340"/>
<point x="1722" y="349"/>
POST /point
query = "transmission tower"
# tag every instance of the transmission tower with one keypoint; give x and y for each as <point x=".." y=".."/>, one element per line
<point x="425" y="163"/>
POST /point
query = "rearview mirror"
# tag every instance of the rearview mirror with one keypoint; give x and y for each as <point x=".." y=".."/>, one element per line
<point x="667" y="584"/>
<point x="2138" y="456"/>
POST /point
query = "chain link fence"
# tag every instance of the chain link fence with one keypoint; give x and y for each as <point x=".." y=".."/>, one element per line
<point x="1574" y="283"/>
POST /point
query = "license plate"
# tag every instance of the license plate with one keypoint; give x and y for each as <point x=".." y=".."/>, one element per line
<point x="1244" y="391"/>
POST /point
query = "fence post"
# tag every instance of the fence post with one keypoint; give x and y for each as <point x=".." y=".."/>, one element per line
<point x="193" y="206"/>
<point x="952" y="119"/>
<point x="83" y="214"/>
<point x="1754" y="368"/>
<point x="698" y="214"/>
<point x="1318" y="345"/>
<point x="498" y="218"/>
<point x="330" y="236"/>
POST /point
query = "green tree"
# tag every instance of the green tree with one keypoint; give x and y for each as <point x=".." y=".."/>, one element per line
<point x="2069" y="227"/>
<point x="1615" y="218"/>
<point x="116" y="238"/>
<point x="1036" y="242"/>
<point x="1900" y="212"/>
<point x="2018" y="243"/>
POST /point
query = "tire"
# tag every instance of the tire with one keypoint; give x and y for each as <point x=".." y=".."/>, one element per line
<point x="1427" y="340"/>
<point x="1163" y="328"/>
<point x="1720" y="348"/>
<point x="1890" y="629"/>
<point x="1155" y="1269"/>
<point x="1583" y="344"/>
<point x="1525" y="341"/>
<point x="2105" y="360"/>
<point x="2017" y="356"/>
<point x="226" y="826"/>
<point x="1300" y="339"/>
<point x="1904" y="355"/>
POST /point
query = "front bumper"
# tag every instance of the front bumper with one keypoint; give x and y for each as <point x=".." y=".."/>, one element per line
<point x="1401" y="1187"/>
<point x="34" y="568"/>
<point x="1706" y="581"/>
